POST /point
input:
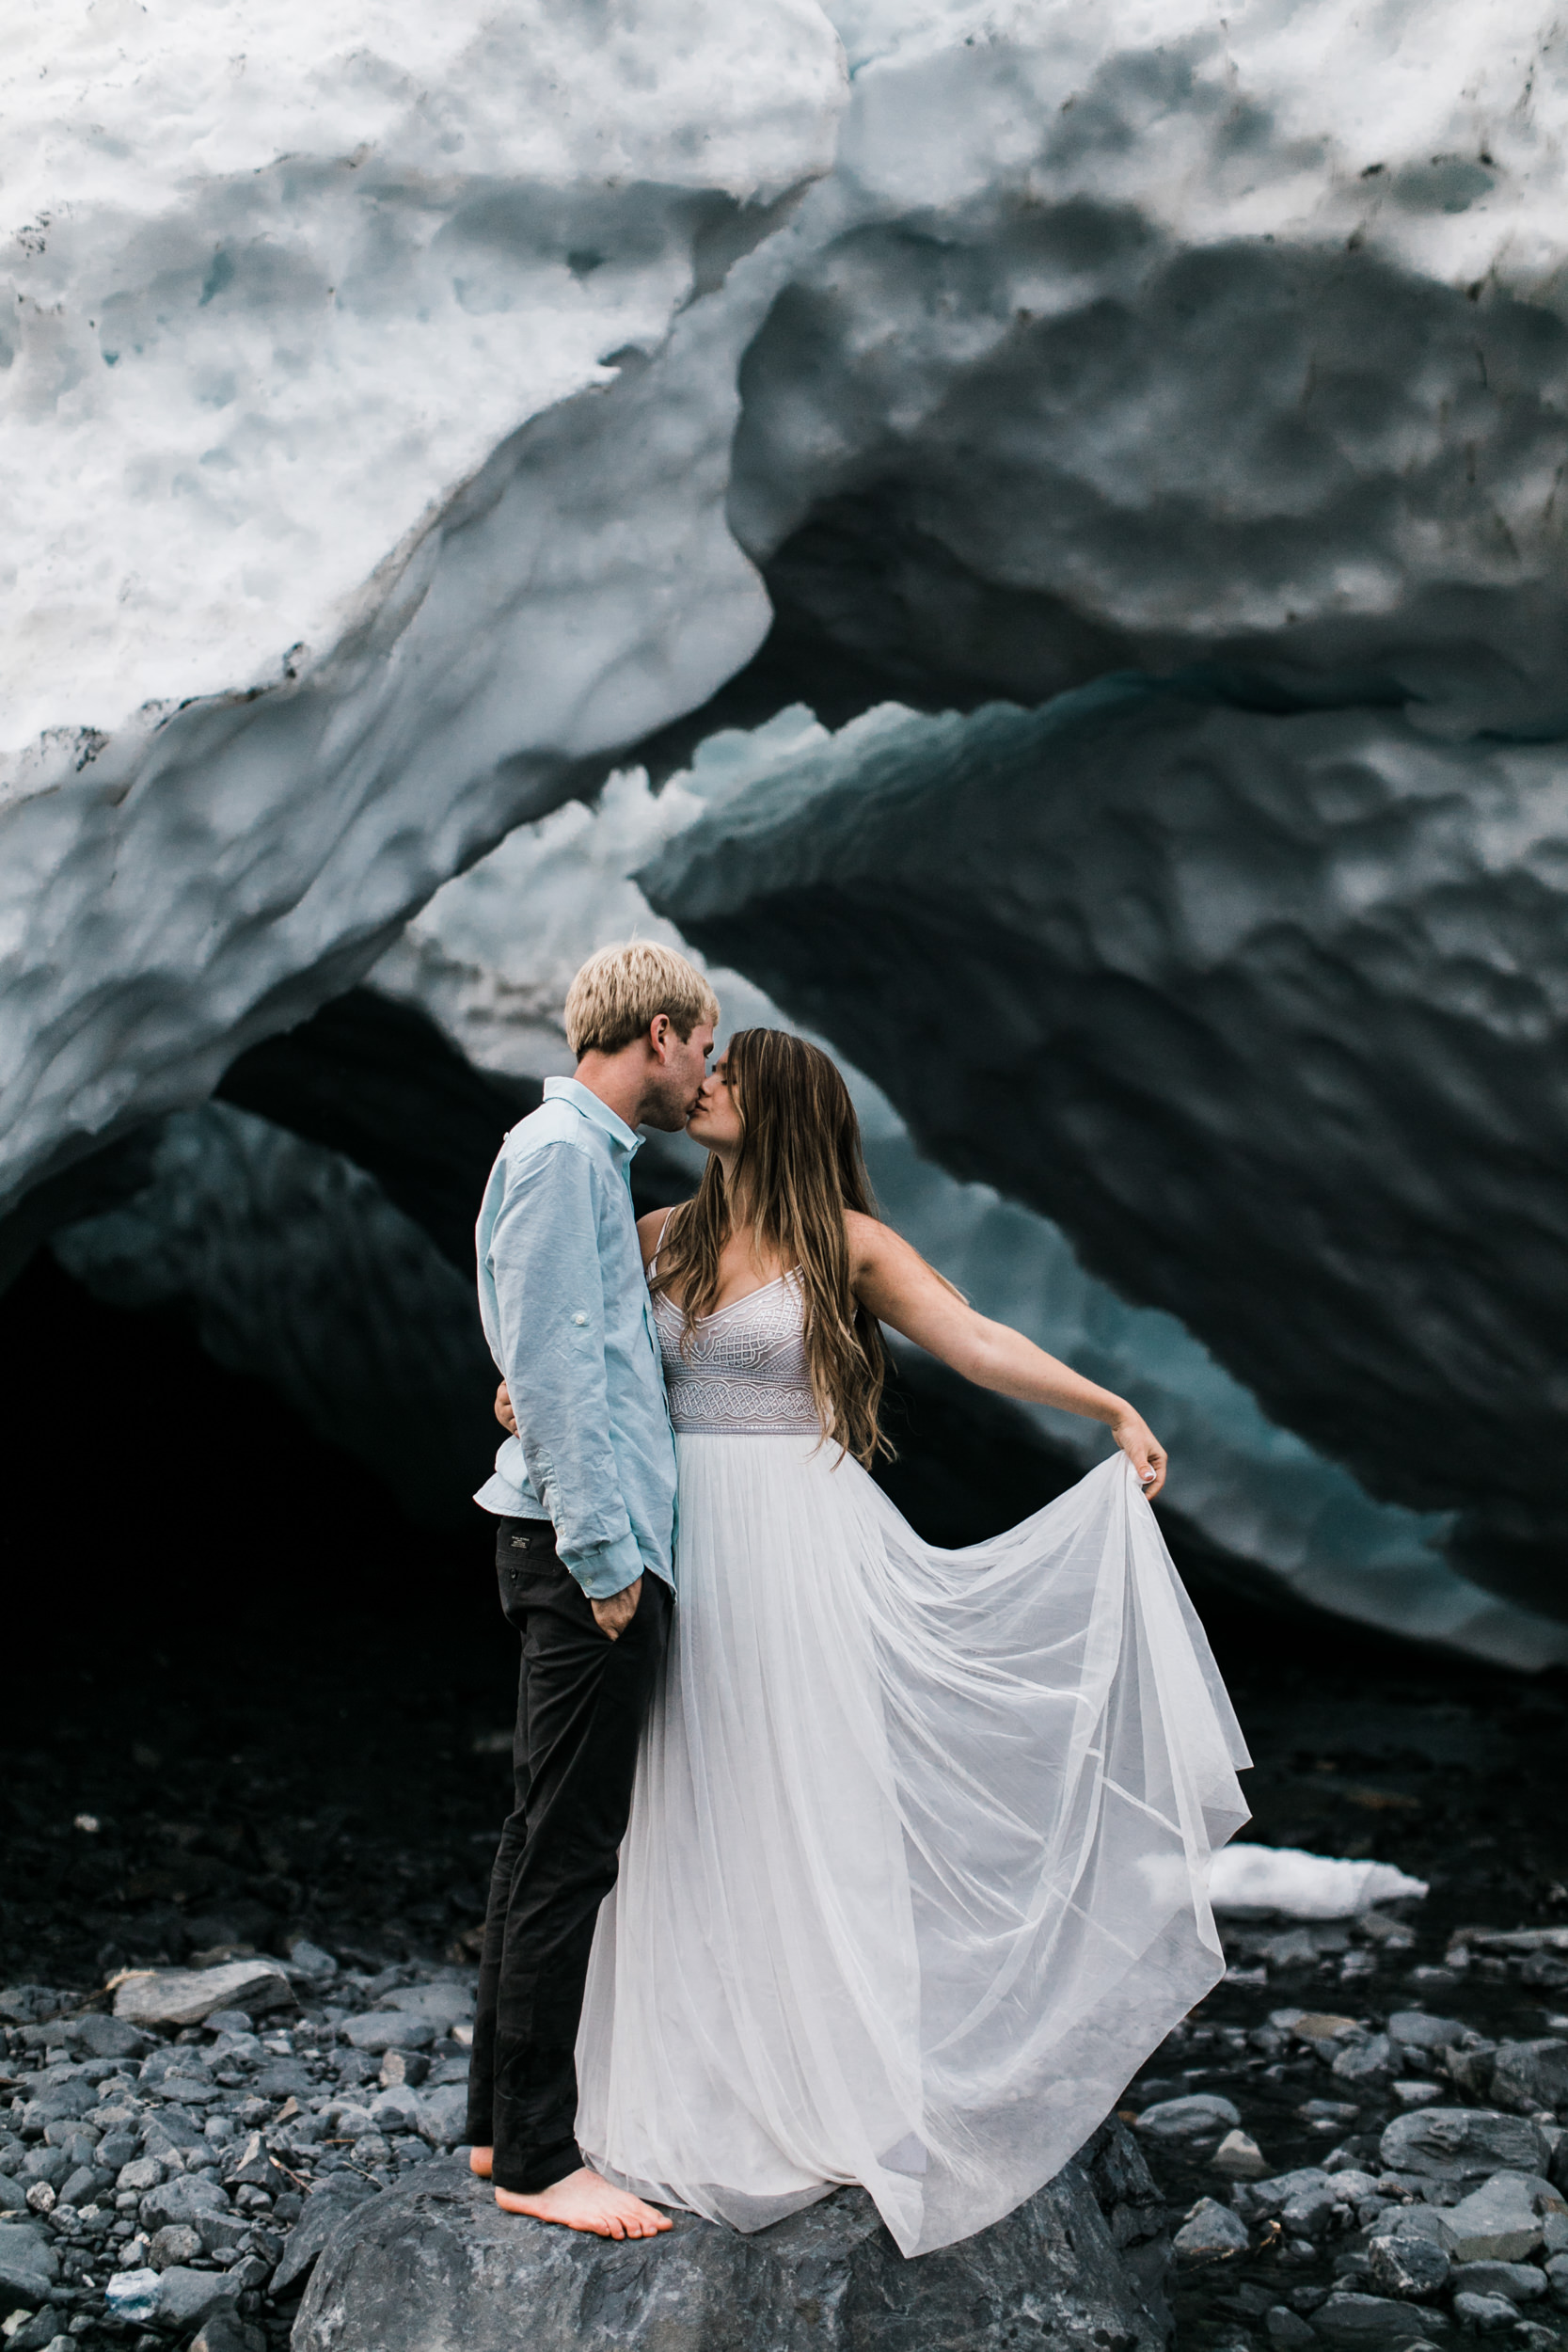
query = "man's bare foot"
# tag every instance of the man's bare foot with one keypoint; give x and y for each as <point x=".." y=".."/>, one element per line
<point x="583" y="2202"/>
<point x="480" y="2161"/>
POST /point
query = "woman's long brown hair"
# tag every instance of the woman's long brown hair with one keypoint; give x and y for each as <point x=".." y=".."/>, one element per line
<point x="801" y="1168"/>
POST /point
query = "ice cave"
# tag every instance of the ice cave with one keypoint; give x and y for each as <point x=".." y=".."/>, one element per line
<point x="1027" y="540"/>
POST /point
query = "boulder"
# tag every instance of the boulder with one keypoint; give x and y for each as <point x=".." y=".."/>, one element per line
<point x="1463" y="2144"/>
<point x="183" y="1996"/>
<point x="1498" y="2222"/>
<point x="1527" y="2076"/>
<point x="332" y="2197"/>
<point x="1520" y="2282"/>
<point x="435" y="2262"/>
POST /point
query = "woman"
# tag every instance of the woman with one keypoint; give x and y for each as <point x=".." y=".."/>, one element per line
<point x="915" y="1874"/>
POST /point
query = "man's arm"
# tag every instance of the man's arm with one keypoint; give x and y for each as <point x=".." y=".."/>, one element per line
<point x="550" y="1297"/>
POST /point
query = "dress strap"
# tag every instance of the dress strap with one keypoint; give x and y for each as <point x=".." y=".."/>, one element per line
<point x="653" y="1261"/>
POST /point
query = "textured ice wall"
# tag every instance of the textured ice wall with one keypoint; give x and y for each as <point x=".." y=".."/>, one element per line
<point x="331" y="400"/>
<point x="1265" y="1011"/>
<point x="1151" y="332"/>
<point x="494" y="973"/>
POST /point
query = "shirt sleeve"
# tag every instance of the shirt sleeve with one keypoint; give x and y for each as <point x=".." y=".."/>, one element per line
<point x="549" y="1300"/>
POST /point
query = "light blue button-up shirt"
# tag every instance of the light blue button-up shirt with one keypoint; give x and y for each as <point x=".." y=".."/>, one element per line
<point x="566" y="1307"/>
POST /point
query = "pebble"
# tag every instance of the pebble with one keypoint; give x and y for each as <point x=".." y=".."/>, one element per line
<point x="1240" y="2156"/>
<point x="1192" y="2118"/>
<point x="1521" y="2282"/>
<point x="1375" y="2321"/>
<point x="1407" y="2266"/>
<point x="1485" y="2312"/>
<point x="1210" y="2232"/>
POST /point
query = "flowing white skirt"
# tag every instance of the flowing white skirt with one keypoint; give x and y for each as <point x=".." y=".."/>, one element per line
<point x="916" y="1871"/>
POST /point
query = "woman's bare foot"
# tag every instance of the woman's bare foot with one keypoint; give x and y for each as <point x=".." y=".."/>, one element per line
<point x="583" y="2202"/>
<point x="480" y="2161"/>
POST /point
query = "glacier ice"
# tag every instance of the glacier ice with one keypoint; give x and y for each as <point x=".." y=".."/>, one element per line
<point x="412" y="416"/>
<point x="495" y="984"/>
<point x="1259" y="1007"/>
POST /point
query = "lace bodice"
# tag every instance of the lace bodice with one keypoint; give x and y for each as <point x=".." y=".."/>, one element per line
<point x="744" y="1373"/>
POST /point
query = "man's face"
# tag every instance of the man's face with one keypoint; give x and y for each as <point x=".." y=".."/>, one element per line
<point x="675" y="1080"/>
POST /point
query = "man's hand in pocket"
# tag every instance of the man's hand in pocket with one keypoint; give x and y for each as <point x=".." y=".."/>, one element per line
<point x="614" y="1615"/>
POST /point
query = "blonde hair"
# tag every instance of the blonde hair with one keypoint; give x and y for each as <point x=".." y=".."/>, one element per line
<point x="620" y="992"/>
<point x="799" y="1168"/>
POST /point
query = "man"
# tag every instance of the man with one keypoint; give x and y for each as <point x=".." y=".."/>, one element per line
<point x="584" y="1494"/>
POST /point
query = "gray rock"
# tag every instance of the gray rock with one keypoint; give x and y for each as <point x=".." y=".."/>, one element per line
<point x="1531" y="2075"/>
<point x="140" y="2174"/>
<point x="312" y="1961"/>
<point x="177" y="2242"/>
<point x="1416" y="2093"/>
<point x="186" y="2296"/>
<point x="388" y="2030"/>
<point x="1191" y="2118"/>
<point x="1520" y="2282"/>
<point x="1270" y="2196"/>
<point x="1288" y="2331"/>
<point x="284" y="2078"/>
<point x="1463" y="2144"/>
<point x="118" y="2149"/>
<point x="230" y="2021"/>
<point x="85" y="2185"/>
<point x="185" y="2197"/>
<point x="13" y="2194"/>
<point x="1210" y="2232"/>
<point x="1498" y="2221"/>
<point x="225" y="2332"/>
<point x="1310" y="2212"/>
<point x="442" y="2005"/>
<point x="38" y="2333"/>
<point x="1365" y="2062"/>
<point x="1239" y="2155"/>
<point x="31" y="2004"/>
<point x="1485" y="2313"/>
<point x="1416" y="2029"/>
<point x="1557" y="2280"/>
<point x="45" y="2164"/>
<point x="28" y="2264"/>
<point x="442" y="2115"/>
<point x="435" y="2262"/>
<point x="107" y="2036"/>
<point x="183" y="1996"/>
<point x="1408" y="2267"/>
<point x="325" y="2206"/>
<point x="1374" y="2320"/>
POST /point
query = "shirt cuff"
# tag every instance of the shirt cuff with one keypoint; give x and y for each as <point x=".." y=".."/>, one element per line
<point x="605" y="1569"/>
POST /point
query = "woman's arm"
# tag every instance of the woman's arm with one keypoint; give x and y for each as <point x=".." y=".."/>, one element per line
<point x="895" y="1283"/>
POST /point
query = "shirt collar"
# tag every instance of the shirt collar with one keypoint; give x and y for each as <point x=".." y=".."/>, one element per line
<point x="584" y="1100"/>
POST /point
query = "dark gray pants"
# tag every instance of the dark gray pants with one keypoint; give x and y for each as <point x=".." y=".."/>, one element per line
<point x="582" y="1699"/>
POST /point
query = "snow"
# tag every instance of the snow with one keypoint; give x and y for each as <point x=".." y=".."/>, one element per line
<point x="1304" y="1885"/>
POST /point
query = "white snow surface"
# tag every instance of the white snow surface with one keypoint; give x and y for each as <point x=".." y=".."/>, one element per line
<point x="490" y="960"/>
<point x="1304" y="1885"/>
<point x="371" y="375"/>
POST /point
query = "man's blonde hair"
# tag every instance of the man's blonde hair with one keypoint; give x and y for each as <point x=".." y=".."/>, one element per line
<point x="621" y="992"/>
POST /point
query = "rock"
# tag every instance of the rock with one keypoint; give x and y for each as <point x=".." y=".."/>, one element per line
<point x="1485" y="2313"/>
<point x="1498" y="2222"/>
<point x="107" y="2036"/>
<point x="31" y="2004"/>
<point x="132" y="2293"/>
<point x="185" y="2197"/>
<point x="1288" y="2331"/>
<point x="312" y="1961"/>
<point x="186" y="2296"/>
<point x="28" y="2264"/>
<point x="442" y="2005"/>
<point x="49" y="2165"/>
<point x="176" y="2242"/>
<point x="388" y="2030"/>
<point x="1416" y="2029"/>
<point x="1463" y="2144"/>
<point x="1270" y="2196"/>
<point x="38" y="2333"/>
<point x="403" y="2069"/>
<point x="1557" y="2280"/>
<point x="1210" y="2232"/>
<point x="221" y="2231"/>
<point x="1363" y="2061"/>
<point x="183" y="1996"/>
<point x="1527" y="2076"/>
<point x="284" y="2078"/>
<point x="1189" y="2117"/>
<point x="434" y="2261"/>
<point x="1520" y="2282"/>
<point x="1423" y="2221"/>
<point x="1415" y="2094"/>
<point x="326" y="2205"/>
<point x="1408" y="2267"/>
<point x="140" y="2174"/>
<point x="1309" y="2213"/>
<point x="225" y="2332"/>
<point x="254" y="2167"/>
<point x="1240" y="2156"/>
<point x="442" y="2115"/>
<point x="83" y="2185"/>
<point x="13" y="2194"/>
<point x="1374" y="2320"/>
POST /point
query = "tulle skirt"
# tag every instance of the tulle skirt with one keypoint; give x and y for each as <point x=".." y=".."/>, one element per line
<point x="916" y="1872"/>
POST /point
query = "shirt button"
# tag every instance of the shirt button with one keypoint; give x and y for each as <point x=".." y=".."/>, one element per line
<point x="580" y="1320"/>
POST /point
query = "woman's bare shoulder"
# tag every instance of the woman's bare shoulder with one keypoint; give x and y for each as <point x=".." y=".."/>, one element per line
<point x="868" y="1236"/>
<point x="650" y="1229"/>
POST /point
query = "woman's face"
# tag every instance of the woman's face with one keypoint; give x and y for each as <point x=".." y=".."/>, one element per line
<point x="716" y="1121"/>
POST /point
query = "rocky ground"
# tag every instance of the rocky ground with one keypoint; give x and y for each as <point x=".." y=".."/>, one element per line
<point x="266" y="1710"/>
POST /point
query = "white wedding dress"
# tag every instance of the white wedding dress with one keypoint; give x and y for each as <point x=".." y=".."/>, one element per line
<point x="915" y="1876"/>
